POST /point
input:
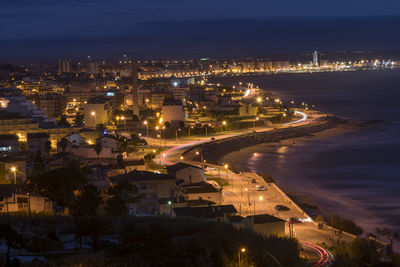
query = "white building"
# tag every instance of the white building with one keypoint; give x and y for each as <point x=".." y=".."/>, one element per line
<point x="97" y="111"/>
<point x="186" y="172"/>
<point x="172" y="110"/>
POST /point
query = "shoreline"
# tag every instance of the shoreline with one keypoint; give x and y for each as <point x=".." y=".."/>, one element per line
<point x="306" y="203"/>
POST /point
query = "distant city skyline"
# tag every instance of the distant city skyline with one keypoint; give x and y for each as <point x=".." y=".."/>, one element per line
<point x="45" y="29"/>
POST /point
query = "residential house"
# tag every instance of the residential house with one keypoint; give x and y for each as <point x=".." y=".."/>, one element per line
<point x="20" y="198"/>
<point x="12" y="170"/>
<point x="108" y="141"/>
<point x="39" y="142"/>
<point x="151" y="186"/>
<point x="186" y="172"/>
<point x="9" y="143"/>
<point x="265" y="224"/>
<point x="218" y="213"/>
<point x="202" y="190"/>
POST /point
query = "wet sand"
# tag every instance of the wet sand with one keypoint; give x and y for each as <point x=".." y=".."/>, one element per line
<point x="309" y="195"/>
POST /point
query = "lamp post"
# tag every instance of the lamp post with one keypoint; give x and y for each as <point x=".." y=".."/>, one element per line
<point x="223" y="125"/>
<point x="123" y="118"/>
<point x="147" y="128"/>
<point x="260" y="198"/>
<point x="170" y="204"/>
<point x="14" y="171"/>
<point x="159" y="135"/>
<point x="242" y="250"/>
<point x="254" y="122"/>
<point x="94" y="115"/>
<point x="226" y="166"/>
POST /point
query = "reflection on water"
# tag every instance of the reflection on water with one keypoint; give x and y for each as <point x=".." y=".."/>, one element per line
<point x="357" y="174"/>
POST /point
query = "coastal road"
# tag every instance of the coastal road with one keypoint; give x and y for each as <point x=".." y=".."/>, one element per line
<point x="244" y="192"/>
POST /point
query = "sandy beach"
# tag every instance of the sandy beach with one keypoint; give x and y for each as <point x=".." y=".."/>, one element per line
<point x="307" y="194"/>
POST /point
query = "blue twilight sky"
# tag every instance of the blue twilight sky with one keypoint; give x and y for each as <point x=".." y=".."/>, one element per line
<point x="162" y="28"/>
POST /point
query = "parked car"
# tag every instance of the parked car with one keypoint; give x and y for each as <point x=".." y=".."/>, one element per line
<point x="253" y="181"/>
<point x="281" y="208"/>
<point x="261" y="188"/>
<point x="294" y="220"/>
<point x="212" y="138"/>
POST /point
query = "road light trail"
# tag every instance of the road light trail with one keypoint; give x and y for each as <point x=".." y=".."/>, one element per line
<point x="303" y="119"/>
<point x="324" y="255"/>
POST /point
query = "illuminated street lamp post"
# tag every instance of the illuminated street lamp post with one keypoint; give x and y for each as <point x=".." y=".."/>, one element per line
<point x="191" y="127"/>
<point x="260" y="198"/>
<point x="94" y="115"/>
<point x="223" y="125"/>
<point x="14" y="171"/>
<point x="242" y="250"/>
<point x="159" y="135"/>
<point x="227" y="174"/>
<point x="123" y="119"/>
<point x="147" y="128"/>
<point x="254" y="122"/>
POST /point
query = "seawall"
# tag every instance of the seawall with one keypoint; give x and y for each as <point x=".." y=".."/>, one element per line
<point x="213" y="151"/>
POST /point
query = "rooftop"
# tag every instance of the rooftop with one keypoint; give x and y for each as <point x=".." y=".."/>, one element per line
<point x="38" y="135"/>
<point x="180" y="166"/>
<point x="8" y="137"/>
<point x="264" y="218"/>
<point x="139" y="176"/>
<point x="210" y="212"/>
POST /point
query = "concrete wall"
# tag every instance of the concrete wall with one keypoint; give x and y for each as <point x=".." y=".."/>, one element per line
<point x="215" y="150"/>
<point x="191" y="175"/>
<point x="214" y="196"/>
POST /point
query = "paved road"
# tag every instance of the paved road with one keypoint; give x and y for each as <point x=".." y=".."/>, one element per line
<point x="243" y="194"/>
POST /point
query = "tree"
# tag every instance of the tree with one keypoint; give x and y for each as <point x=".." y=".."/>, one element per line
<point x="98" y="148"/>
<point x="120" y="161"/>
<point x="120" y="195"/>
<point x="388" y="236"/>
<point x="59" y="184"/>
<point x="88" y="201"/>
<point x="63" y="143"/>
<point x="79" y="119"/>
<point x="100" y="128"/>
<point x="85" y="213"/>
<point x="94" y="227"/>
<point x="38" y="165"/>
<point x="12" y="239"/>
<point x="48" y="147"/>
<point x="63" y="121"/>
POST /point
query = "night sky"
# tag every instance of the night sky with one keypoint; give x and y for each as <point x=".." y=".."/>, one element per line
<point x="181" y="28"/>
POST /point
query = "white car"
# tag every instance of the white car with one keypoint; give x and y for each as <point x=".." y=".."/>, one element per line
<point x="261" y="188"/>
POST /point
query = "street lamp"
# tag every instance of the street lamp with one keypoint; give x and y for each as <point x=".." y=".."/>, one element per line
<point x="242" y="250"/>
<point x="226" y="166"/>
<point x="94" y="115"/>
<point x="123" y="118"/>
<point x="223" y="125"/>
<point x="260" y="198"/>
<point x="254" y="122"/>
<point x="147" y="128"/>
<point x="14" y="170"/>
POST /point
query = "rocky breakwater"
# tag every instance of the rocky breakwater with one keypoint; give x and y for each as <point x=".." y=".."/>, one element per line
<point x="213" y="151"/>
